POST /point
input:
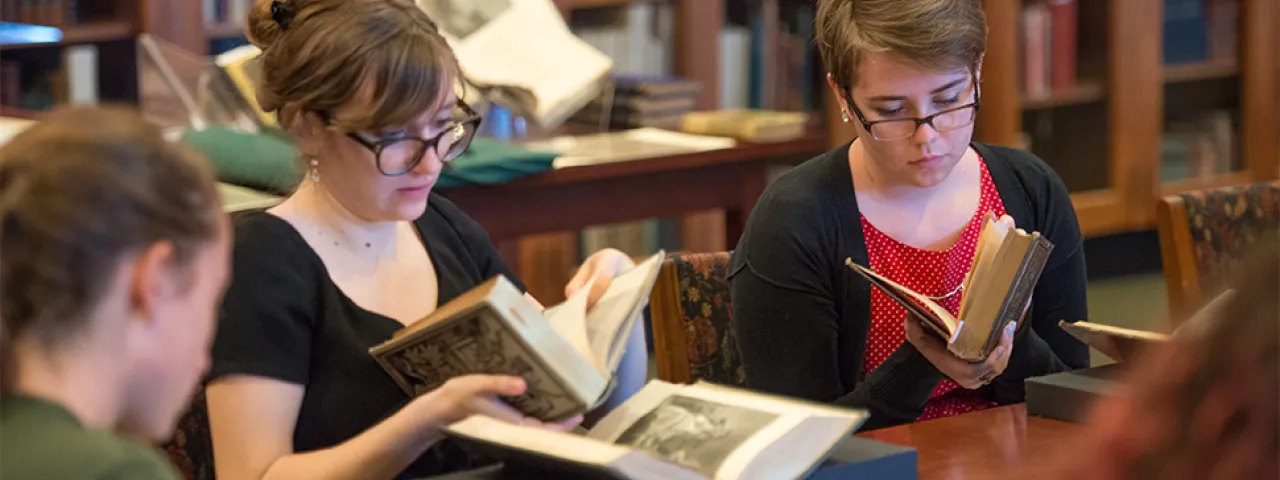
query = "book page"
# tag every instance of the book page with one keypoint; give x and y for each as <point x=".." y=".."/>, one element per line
<point x="708" y="432"/>
<point x="533" y="439"/>
<point x="610" y="319"/>
<point x="1119" y="344"/>
<point x="569" y="319"/>
<point x="941" y="318"/>
<point x="989" y="241"/>
<point x="523" y="43"/>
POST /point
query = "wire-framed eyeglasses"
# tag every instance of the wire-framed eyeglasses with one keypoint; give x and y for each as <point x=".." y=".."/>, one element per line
<point x="398" y="155"/>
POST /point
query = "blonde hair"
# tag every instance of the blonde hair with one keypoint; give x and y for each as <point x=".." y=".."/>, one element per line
<point x="319" y="55"/>
<point x="932" y="34"/>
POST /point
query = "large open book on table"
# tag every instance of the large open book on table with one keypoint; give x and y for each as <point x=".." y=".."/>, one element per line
<point x="669" y="431"/>
<point x="997" y="290"/>
<point x="566" y="354"/>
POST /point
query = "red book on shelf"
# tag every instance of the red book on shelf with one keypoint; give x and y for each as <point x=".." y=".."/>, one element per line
<point x="1224" y="28"/>
<point x="1035" y="50"/>
<point x="1062" y="20"/>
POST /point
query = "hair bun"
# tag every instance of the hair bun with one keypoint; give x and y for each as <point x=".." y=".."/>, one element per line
<point x="261" y="26"/>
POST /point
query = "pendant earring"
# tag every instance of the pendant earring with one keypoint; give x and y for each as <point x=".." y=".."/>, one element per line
<point x="844" y="116"/>
<point x="314" y="171"/>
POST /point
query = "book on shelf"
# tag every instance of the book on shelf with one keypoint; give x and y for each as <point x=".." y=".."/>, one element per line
<point x="668" y="431"/>
<point x="746" y="124"/>
<point x="567" y="354"/>
<point x="996" y="291"/>
<point x="1125" y="344"/>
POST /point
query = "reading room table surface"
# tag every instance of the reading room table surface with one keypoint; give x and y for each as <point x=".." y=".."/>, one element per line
<point x="615" y="191"/>
<point x="996" y="443"/>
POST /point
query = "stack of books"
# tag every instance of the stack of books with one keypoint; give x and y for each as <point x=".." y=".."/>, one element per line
<point x="641" y="101"/>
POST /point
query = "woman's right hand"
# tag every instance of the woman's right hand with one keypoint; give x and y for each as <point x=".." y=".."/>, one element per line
<point x="967" y="374"/>
<point x="468" y="395"/>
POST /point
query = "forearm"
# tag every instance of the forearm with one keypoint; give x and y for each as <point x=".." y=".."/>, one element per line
<point x="382" y="451"/>
<point x="897" y="390"/>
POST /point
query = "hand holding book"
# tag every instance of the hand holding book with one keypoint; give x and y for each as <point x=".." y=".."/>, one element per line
<point x="461" y="397"/>
<point x="601" y="267"/>
<point x="968" y="374"/>
<point x="997" y="291"/>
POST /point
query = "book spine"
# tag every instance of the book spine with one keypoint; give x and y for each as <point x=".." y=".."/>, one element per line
<point x="1016" y="302"/>
<point x="1062" y="28"/>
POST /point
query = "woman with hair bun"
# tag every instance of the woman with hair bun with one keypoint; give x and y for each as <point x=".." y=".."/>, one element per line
<point x="368" y="91"/>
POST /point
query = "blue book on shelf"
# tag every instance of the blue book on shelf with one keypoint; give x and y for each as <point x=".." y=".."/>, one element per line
<point x="20" y="33"/>
<point x="1186" y="37"/>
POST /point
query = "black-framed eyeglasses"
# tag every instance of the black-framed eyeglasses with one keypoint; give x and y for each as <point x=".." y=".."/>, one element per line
<point x="397" y="156"/>
<point x="899" y="128"/>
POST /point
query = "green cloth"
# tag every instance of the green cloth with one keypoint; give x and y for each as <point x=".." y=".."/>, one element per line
<point x="42" y="440"/>
<point x="261" y="161"/>
<point x="489" y="162"/>
<point x="269" y="162"/>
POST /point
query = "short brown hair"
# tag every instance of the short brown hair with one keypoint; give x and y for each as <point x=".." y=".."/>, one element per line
<point x="328" y="50"/>
<point x="932" y="34"/>
<point x="78" y="191"/>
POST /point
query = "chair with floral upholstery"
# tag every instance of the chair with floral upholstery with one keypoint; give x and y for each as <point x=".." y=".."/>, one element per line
<point x="1204" y="234"/>
<point x="191" y="448"/>
<point x="693" y="337"/>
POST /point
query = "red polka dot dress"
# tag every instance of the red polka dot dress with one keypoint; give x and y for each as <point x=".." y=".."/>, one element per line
<point x="931" y="273"/>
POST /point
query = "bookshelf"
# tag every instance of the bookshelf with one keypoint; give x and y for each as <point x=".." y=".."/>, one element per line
<point x="1104" y="132"/>
<point x="1109" y="135"/>
<point x="38" y="76"/>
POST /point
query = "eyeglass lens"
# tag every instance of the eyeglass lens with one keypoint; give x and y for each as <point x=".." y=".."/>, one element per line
<point x="943" y="122"/>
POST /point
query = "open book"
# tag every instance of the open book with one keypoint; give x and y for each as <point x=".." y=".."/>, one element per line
<point x="524" y="44"/>
<point x="1125" y="344"/>
<point x="997" y="290"/>
<point x="566" y="354"/>
<point x="669" y="431"/>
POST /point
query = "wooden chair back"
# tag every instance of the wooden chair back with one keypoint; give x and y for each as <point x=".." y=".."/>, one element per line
<point x="693" y="337"/>
<point x="1203" y="235"/>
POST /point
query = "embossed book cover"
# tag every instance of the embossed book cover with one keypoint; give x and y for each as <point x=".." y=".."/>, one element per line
<point x="567" y="354"/>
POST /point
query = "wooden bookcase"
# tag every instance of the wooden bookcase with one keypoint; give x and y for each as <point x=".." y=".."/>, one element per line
<point x="1108" y="134"/>
<point x="113" y="27"/>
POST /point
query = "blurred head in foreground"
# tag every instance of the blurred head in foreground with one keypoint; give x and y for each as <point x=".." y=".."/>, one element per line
<point x="1205" y="406"/>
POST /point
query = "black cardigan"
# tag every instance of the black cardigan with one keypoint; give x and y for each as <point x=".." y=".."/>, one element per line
<point x="801" y="316"/>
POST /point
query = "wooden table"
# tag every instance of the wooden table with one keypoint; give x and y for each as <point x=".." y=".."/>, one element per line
<point x="571" y="199"/>
<point x="581" y="196"/>
<point x="997" y="443"/>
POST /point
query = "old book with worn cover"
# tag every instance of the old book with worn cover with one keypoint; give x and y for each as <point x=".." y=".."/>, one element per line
<point x="668" y="431"/>
<point x="567" y="354"/>
<point x="1125" y="344"/>
<point x="997" y="290"/>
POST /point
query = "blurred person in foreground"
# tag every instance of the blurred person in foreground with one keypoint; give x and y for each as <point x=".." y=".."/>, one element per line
<point x="1205" y="406"/>
<point x="114" y="254"/>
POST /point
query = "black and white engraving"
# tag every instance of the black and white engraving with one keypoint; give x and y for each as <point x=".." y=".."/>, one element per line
<point x="695" y="433"/>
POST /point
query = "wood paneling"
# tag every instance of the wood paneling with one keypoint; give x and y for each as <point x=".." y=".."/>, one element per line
<point x="1000" y="120"/>
<point x="1135" y="110"/>
<point x="1260" y="53"/>
<point x="697" y="46"/>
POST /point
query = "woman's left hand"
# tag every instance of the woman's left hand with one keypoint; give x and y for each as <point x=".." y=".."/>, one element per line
<point x="603" y="265"/>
